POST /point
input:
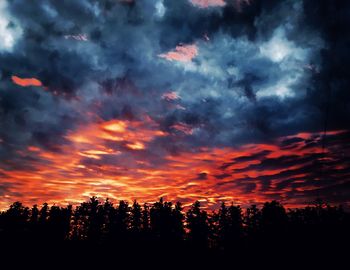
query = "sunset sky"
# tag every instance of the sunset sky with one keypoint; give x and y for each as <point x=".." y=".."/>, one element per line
<point x="210" y="100"/>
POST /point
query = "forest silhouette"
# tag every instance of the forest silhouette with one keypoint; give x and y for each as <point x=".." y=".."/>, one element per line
<point x="163" y="229"/>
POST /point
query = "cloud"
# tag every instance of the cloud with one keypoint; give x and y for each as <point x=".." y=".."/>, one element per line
<point x="270" y="70"/>
<point x="170" y="96"/>
<point x="239" y="4"/>
<point x="79" y="37"/>
<point x="184" y="128"/>
<point x="278" y="47"/>
<point x="26" y="81"/>
<point x="208" y="3"/>
<point x="9" y="30"/>
<point x="103" y="166"/>
<point x="160" y="9"/>
<point x="182" y="53"/>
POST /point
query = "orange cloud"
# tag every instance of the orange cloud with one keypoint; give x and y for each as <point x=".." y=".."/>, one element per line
<point x="118" y="131"/>
<point x="112" y="159"/>
<point x="136" y="146"/>
<point x="26" y="81"/>
<point x="116" y="126"/>
<point x="182" y="53"/>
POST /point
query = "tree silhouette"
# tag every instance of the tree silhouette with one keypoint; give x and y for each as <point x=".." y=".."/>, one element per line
<point x="145" y="219"/>
<point x="160" y="219"/>
<point x="136" y="218"/>
<point x="164" y="228"/>
<point x="273" y="217"/>
<point x="14" y="222"/>
<point x="197" y="224"/>
<point x="178" y="217"/>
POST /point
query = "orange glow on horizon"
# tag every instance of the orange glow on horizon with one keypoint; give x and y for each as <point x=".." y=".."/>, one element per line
<point x="97" y="164"/>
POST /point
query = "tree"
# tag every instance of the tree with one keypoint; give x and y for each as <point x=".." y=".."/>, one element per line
<point x="145" y="219"/>
<point x="252" y="220"/>
<point x="273" y="217"/>
<point x="136" y="218"/>
<point x="59" y="222"/>
<point x="178" y="230"/>
<point x="197" y="224"/>
<point x="229" y="226"/>
<point x="119" y="220"/>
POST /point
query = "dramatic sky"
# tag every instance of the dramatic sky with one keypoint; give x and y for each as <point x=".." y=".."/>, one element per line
<point x="210" y="100"/>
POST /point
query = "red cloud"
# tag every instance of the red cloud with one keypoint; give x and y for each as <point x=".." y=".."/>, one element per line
<point x="26" y="81"/>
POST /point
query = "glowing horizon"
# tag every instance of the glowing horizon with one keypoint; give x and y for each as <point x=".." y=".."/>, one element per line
<point x="211" y="175"/>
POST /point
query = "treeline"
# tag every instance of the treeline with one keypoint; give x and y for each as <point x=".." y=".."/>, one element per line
<point x="149" y="233"/>
<point x="230" y="228"/>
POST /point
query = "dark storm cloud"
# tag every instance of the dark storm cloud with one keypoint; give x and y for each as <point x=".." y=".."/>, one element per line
<point x="119" y="56"/>
<point x="330" y="85"/>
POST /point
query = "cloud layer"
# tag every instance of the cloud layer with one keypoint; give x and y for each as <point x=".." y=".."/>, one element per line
<point x="189" y="99"/>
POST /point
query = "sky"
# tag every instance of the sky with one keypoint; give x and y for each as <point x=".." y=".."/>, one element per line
<point x="241" y="101"/>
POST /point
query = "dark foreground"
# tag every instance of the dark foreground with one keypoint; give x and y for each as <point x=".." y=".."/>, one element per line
<point x="162" y="234"/>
